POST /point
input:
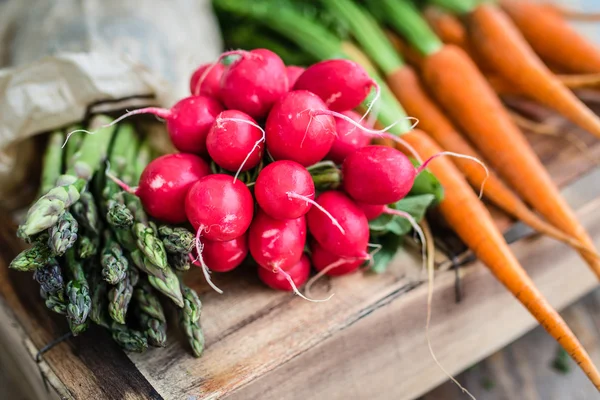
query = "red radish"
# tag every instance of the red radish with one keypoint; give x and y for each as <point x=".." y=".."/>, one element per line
<point x="372" y="211"/>
<point x="188" y="121"/>
<point x="219" y="208"/>
<point x="225" y="256"/>
<point x="206" y="80"/>
<point x="354" y="240"/>
<point x="164" y="185"/>
<point x="282" y="188"/>
<point x="333" y="265"/>
<point x="292" y="133"/>
<point x="349" y="138"/>
<point x="383" y="175"/>
<point x="234" y="141"/>
<point x="342" y="84"/>
<point x="293" y="72"/>
<point x="279" y="281"/>
<point x="254" y="82"/>
<point x="275" y="243"/>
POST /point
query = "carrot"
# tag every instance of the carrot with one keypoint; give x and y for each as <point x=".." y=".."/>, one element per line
<point x="499" y="43"/>
<point x="552" y="38"/>
<point x="405" y="84"/>
<point x="447" y="27"/>
<point x="473" y="224"/>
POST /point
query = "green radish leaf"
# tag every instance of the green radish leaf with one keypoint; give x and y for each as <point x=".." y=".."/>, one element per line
<point x="427" y="183"/>
<point x="416" y="206"/>
<point x="390" y="244"/>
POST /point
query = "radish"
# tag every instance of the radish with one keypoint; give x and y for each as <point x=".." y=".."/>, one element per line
<point x="276" y="244"/>
<point x="254" y="82"/>
<point x="293" y="72"/>
<point x="206" y="80"/>
<point x="284" y="190"/>
<point x="292" y="133"/>
<point x="331" y="264"/>
<point x="234" y="141"/>
<point x="188" y="122"/>
<point x="164" y="185"/>
<point x="342" y="84"/>
<point x="354" y="240"/>
<point x="298" y="273"/>
<point x="349" y="138"/>
<point x="225" y="256"/>
<point x="219" y="209"/>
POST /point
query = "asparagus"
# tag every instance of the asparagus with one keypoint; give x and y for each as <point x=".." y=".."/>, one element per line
<point x="52" y="286"/>
<point x="85" y="212"/>
<point x="118" y="215"/>
<point x="64" y="234"/>
<point x="189" y="320"/>
<point x="181" y="262"/>
<point x="147" y="240"/>
<point x="119" y="296"/>
<point x="144" y="156"/>
<point x="150" y="314"/>
<point x="37" y="256"/>
<point x="52" y="164"/>
<point x="114" y="263"/>
<point x="128" y="339"/>
<point x="99" y="312"/>
<point x="74" y="143"/>
<point x="88" y="245"/>
<point x="56" y="302"/>
<point x="176" y="239"/>
<point x="77" y="293"/>
<point x="163" y="280"/>
<point x="46" y="211"/>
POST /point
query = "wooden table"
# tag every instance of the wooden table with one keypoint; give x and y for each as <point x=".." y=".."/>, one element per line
<point x="368" y="341"/>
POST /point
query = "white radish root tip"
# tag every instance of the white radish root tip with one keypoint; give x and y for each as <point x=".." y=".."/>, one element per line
<point x="335" y="222"/>
<point x="457" y="155"/>
<point x="295" y="288"/>
<point x="200" y="260"/>
<point x="430" y="274"/>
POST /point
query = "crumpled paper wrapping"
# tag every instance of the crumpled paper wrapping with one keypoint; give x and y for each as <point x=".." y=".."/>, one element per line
<point x="61" y="57"/>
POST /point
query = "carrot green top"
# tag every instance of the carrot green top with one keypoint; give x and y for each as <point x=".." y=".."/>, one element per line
<point x="457" y="6"/>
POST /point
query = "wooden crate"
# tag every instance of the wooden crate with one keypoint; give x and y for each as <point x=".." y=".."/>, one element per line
<point x="368" y="341"/>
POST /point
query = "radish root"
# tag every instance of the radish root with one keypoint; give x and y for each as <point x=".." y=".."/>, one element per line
<point x="295" y="288"/>
<point x="324" y="271"/>
<point x="292" y="195"/>
<point x="430" y="274"/>
<point x="457" y="155"/>
<point x="371" y="104"/>
<point x="199" y="261"/>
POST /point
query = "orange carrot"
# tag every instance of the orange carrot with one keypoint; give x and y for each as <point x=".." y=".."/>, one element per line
<point x="499" y="43"/>
<point x="473" y="104"/>
<point x="552" y="38"/>
<point x="406" y="51"/>
<point x="473" y="224"/>
<point x="405" y="84"/>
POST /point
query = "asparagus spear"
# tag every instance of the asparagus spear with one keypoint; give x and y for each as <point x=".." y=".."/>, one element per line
<point x="163" y="280"/>
<point x="56" y="302"/>
<point x="64" y="234"/>
<point x="119" y="296"/>
<point x="151" y="314"/>
<point x="144" y="156"/>
<point x="88" y="245"/>
<point x="85" y="212"/>
<point x="114" y="263"/>
<point x="52" y="286"/>
<point x="77" y="293"/>
<point x="46" y="211"/>
<point x="37" y="256"/>
<point x="189" y="320"/>
<point x="52" y="164"/>
<point x="176" y="239"/>
<point x="99" y="312"/>
<point x="181" y="262"/>
<point x="73" y="144"/>
<point x="128" y="339"/>
<point x="147" y="238"/>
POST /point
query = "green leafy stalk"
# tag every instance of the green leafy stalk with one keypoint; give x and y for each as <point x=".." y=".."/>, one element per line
<point x="64" y="234"/>
<point x="77" y="293"/>
<point x="52" y="163"/>
<point x="176" y="239"/>
<point x="128" y="339"/>
<point x="119" y="296"/>
<point x="405" y="18"/>
<point x="37" y="256"/>
<point x="456" y="6"/>
<point x="113" y="260"/>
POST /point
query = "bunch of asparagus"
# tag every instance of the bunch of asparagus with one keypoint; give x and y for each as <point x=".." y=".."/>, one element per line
<point x="95" y="253"/>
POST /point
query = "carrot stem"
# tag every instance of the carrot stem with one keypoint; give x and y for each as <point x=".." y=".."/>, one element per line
<point x="405" y="18"/>
<point x="457" y="6"/>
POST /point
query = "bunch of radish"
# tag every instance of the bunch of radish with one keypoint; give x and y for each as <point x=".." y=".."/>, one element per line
<point x="254" y="137"/>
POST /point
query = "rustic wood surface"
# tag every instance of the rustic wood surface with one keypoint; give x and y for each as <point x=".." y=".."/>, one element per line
<point x="367" y="342"/>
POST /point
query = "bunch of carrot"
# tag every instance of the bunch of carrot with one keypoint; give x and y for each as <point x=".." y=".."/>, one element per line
<point x="455" y="65"/>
